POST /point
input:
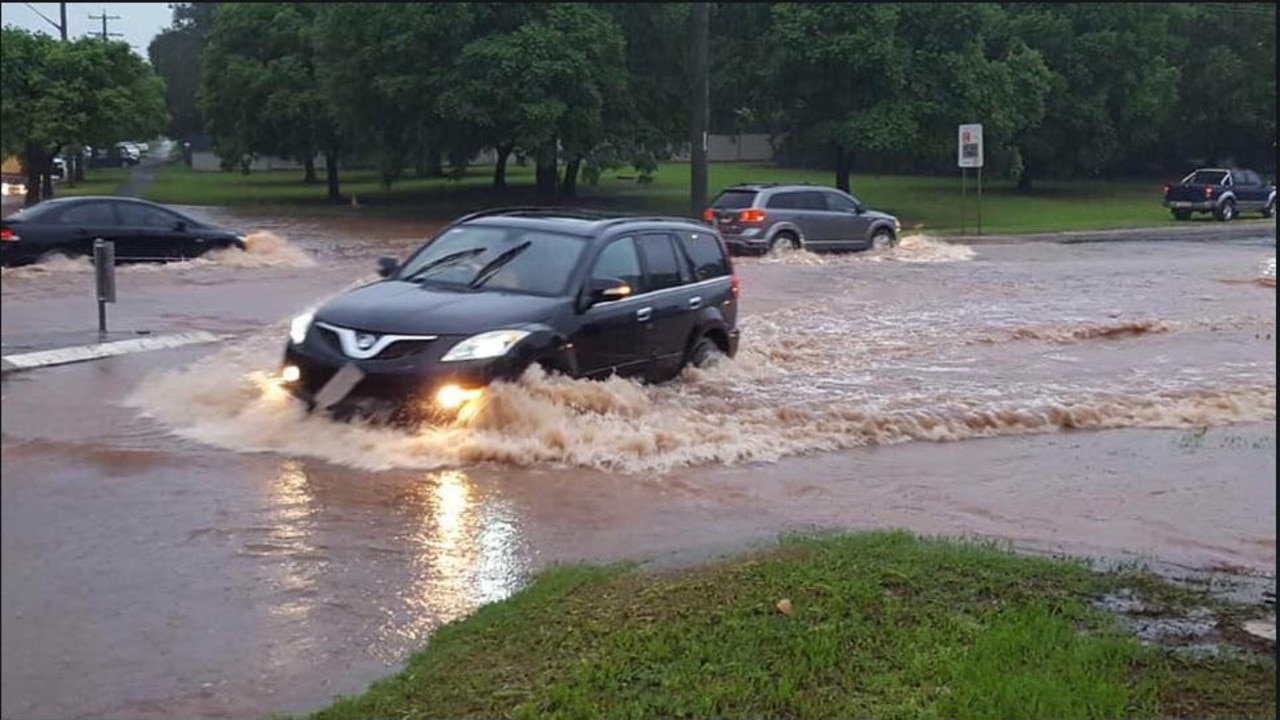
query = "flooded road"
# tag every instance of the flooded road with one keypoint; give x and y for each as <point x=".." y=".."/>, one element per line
<point x="179" y="540"/>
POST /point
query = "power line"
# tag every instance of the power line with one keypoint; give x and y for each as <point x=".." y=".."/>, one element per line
<point x="46" y="18"/>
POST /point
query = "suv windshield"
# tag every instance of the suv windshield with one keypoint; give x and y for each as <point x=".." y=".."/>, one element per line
<point x="734" y="199"/>
<point x="1206" y="177"/>
<point x="512" y="259"/>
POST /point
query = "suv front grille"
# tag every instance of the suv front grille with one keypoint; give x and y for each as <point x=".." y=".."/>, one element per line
<point x="397" y="349"/>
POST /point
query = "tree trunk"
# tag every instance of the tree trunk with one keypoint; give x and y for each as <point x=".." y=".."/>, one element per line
<point x="78" y="162"/>
<point x="500" y="167"/>
<point x="545" y="176"/>
<point x="569" y="190"/>
<point x="435" y="161"/>
<point x="843" y="161"/>
<point x="1024" y="177"/>
<point x="31" y="162"/>
<point x="331" y="175"/>
<point x="309" y="170"/>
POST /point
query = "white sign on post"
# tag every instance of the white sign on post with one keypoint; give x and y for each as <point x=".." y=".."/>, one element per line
<point x="970" y="146"/>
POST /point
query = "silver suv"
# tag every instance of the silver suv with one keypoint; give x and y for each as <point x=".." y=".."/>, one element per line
<point x="769" y="217"/>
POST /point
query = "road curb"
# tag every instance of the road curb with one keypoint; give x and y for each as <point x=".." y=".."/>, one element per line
<point x="96" y="351"/>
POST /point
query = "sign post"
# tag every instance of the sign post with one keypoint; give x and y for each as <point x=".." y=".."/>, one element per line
<point x="970" y="155"/>
<point x="104" y="276"/>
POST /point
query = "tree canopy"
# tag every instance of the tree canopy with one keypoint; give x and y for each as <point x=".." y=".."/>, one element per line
<point x="1063" y="89"/>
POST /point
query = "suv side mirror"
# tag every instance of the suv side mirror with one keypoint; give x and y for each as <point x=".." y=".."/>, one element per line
<point x="605" y="290"/>
<point x="387" y="266"/>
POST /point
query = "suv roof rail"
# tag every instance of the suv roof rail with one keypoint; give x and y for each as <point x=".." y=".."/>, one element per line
<point x="535" y="210"/>
<point x="618" y="220"/>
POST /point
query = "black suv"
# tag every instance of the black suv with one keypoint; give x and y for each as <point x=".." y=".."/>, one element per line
<point x="495" y="292"/>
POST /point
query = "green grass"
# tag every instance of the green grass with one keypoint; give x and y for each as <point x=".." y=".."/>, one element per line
<point x="928" y="204"/>
<point x="97" y="181"/>
<point x="883" y="625"/>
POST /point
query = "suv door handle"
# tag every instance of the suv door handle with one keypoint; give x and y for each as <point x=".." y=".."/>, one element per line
<point x="695" y="303"/>
<point x="643" y="314"/>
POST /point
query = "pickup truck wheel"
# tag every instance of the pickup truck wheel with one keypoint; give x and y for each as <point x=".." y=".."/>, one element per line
<point x="1270" y="209"/>
<point x="1226" y="212"/>
<point x="1181" y="214"/>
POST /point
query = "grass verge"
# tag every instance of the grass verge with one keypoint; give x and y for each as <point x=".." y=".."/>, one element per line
<point x="926" y="204"/>
<point x="880" y="625"/>
<point x="99" y="181"/>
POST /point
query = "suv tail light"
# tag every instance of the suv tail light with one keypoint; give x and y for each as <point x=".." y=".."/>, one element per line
<point x="751" y="217"/>
<point x="709" y="215"/>
<point x="1165" y="190"/>
<point x="735" y="285"/>
<point x="6" y="235"/>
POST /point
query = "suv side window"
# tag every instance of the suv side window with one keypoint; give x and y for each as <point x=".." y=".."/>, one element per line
<point x="812" y="201"/>
<point x="784" y="201"/>
<point x="618" y="261"/>
<point x="664" y="268"/>
<point x="98" y="214"/>
<point x="840" y="203"/>
<point x="708" y="258"/>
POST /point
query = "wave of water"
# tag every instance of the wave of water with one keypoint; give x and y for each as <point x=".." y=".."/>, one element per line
<point x="262" y="249"/>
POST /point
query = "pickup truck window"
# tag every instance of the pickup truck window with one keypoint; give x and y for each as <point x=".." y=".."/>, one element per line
<point x="1205" y="177"/>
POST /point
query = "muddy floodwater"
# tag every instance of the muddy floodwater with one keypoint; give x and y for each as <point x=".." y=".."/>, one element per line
<point x="179" y="539"/>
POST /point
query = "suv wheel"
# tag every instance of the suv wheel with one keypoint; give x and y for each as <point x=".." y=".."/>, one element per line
<point x="1270" y="209"/>
<point x="1227" y="211"/>
<point x="782" y="242"/>
<point x="1181" y="214"/>
<point x="883" y="240"/>
<point x="705" y="353"/>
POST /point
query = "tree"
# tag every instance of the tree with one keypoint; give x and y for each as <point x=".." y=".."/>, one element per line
<point x="1226" y="108"/>
<point x="839" y="72"/>
<point x="176" y="54"/>
<point x="260" y="91"/>
<point x="384" y="68"/>
<point x="545" y="86"/>
<point x="1113" y="85"/>
<point x="86" y="92"/>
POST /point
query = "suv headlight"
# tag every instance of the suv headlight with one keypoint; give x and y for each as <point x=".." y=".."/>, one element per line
<point x="299" y="326"/>
<point x="485" y="345"/>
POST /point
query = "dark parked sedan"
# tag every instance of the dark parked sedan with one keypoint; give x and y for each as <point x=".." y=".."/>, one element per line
<point x="141" y="231"/>
<point x="498" y="292"/>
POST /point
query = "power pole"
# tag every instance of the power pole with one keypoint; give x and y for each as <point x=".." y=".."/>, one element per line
<point x="701" y="104"/>
<point x="104" y="17"/>
<point x="62" y="11"/>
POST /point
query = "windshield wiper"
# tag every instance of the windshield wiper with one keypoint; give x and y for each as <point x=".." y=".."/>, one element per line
<point x="450" y="259"/>
<point x="494" y="265"/>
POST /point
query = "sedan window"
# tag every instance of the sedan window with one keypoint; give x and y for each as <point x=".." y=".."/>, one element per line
<point x="135" y="215"/>
<point x="97" y="214"/>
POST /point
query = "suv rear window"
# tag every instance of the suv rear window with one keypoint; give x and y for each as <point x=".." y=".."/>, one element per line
<point x="707" y="255"/>
<point x="734" y="199"/>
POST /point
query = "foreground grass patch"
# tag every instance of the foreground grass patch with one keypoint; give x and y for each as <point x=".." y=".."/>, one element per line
<point x="878" y="625"/>
<point x="924" y="204"/>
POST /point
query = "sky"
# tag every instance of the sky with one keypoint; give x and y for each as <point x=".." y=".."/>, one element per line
<point x="137" y="23"/>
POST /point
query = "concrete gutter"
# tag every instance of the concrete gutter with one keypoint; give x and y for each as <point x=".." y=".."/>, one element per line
<point x="1194" y="231"/>
<point x="81" y="353"/>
